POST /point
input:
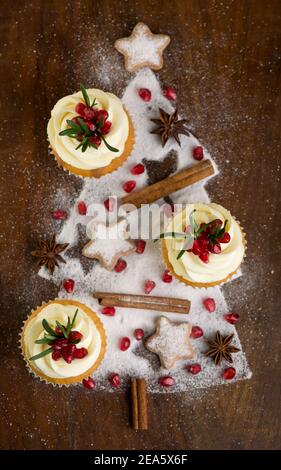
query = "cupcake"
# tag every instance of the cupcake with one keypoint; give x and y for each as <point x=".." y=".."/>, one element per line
<point x="63" y="342"/>
<point x="203" y="245"/>
<point x="90" y="133"/>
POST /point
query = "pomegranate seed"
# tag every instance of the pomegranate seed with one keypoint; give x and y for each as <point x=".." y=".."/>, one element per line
<point x="149" y="286"/>
<point x="167" y="277"/>
<point x="124" y="344"/>
<point x="140" y="246"/>
<point x="106" y="127"/>
<point x="89" y="383"/>
<point x="145" y="94"/>
<point x="198" y="153"/>
<point x="109" y="311"/>
<point x="89" y="113"/>
<point x="204" y="256"/>
<point x="170" y="93"/>
<point x="67" y="353"/>
<point x="79" y="109"/>
<point x="102" y="113"/>
<point x="232" y="318"/>
<point x="82" y="208"/>
<point x="129" y="186"/>
<point x="120" y="265"/>
<point x="58" y="330"/>
<point x="95" y="140"/>
<point x="115" y="380"/>
<point x="209" y="304"/>
<point x="79" y="353"/>
<point x="137" y="169"/>
<point x="196" y="332"/>
<point x="56" y="355"/>
<point x="138" y="334"/>
<point x="197" y="247"/>
<point x="194" y="368"/>
<point x="229" y="373"/>
<point x="216" y="248"/>
<point x="225" y="238"/>
<point x="69" y="285"/>
<point x="90" y="125"/>
<point x="74" y="335"/>
<point x="59" y="344"/>
<point x="109" y="204"/>
<point x="59" y="214"/>
<point x="166" y="381"/>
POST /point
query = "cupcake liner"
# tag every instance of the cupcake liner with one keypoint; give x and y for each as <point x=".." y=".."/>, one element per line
<point x="75" y="380"/>
<point x="203" y="284"/>
<point x="99" y="172"/>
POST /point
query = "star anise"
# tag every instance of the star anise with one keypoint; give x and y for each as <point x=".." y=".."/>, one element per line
<point x="169" y="126"/>
<point x="48" y="253"/>
<point x="220" y="348"/>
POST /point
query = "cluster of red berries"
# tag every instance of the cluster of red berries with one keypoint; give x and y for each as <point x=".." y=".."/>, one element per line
<point x="209" y="239"/>
<point x="96" y="121"/>
<point x="66" y="347"/>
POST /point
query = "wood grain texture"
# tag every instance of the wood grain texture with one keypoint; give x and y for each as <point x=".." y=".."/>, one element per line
<point x="224" y="59"/>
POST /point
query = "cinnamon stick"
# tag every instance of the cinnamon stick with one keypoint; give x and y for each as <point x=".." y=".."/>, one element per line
<point x="139" y="404"/>
<point x="171" y="184"/>
<point x="143" y="302"/>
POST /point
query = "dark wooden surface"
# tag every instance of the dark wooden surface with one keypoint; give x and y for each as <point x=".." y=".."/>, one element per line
<point x="224" y="59"/>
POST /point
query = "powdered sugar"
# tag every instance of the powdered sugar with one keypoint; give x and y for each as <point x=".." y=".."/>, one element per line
<point x="137" y="361"/>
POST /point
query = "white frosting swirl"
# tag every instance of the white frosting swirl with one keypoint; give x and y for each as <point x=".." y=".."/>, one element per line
<point x="93" y="158"/>
<point x="60" y="369"/>
<point x="189" y="266"/>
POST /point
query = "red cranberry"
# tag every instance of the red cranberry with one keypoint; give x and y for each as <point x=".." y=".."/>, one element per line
<point x="149" y="286"/>
<point x="194" y="368"/>
<point x="109" y="311"/>
<point x="140" y="246"/>
<point x="120" y="265"/>
<point x="129" y="186"/>
<point x="56" y="355"/>
<point x="137" y="169"/>
<point x="232" y="318"/>
<point x="209" y="304"/>
<point x="95" y="140"/>
<point x="82" y="208"/>
<point x="198" y="153"/>
<point x="229" y="373"/>
<point x="166" y="381"/>
<point x="69" y="285"/>
<point x="138" y="334"/>
<point x="170" y="93"/>
<point x="59" y="214"/>
<point x="102" y="114"/>
<point x="74" y="335"/>
<point x="79" y="353"/>
<point x="89" y="383"/>
<point x="59" y="344"/>
<point x="196" y="332"/>
<point x="167" y="277"/>
<point x="145" y="94"/>
<point x="115" y="380"/>
<point x="79" y="109"/>
<point x="89" y="113"/>
<point x="225" y="238"/>
<point x="204" y="256"/>
<point x="124" y="344"/>
<point x="106" y="127"/>
<point x="109" y="204"/>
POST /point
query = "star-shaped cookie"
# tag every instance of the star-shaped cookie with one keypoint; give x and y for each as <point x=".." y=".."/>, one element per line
<point x="171" y="342"/>
<point x="142" y="48"/>
<point x="108" y="243"/>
